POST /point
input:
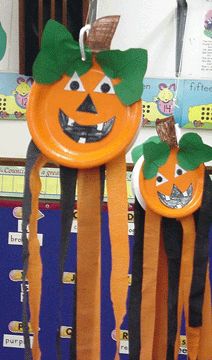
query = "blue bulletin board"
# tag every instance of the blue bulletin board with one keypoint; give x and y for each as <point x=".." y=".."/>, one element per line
<point x="11" y="304"/>
<point x="11" y="338"/>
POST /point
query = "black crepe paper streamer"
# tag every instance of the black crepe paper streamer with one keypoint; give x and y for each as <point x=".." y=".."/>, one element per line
<point x="173" y="246"/>
<point x="68" y="179"/>
<point x="203" y="220"/>
<point x="172" y="235"/>
<point x="134" y="307"/>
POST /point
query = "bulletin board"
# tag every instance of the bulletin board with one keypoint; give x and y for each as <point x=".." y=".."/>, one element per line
<point x="11" y="304"/>
<point x="11" y="337"/>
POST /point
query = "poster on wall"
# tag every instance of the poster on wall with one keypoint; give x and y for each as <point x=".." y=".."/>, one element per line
<point x="14" y="94"/>
<point x="197" y="47"/>
<point x="188" y="100"/>
<point x="157" y="100"/>
<point x="195" y="104"/>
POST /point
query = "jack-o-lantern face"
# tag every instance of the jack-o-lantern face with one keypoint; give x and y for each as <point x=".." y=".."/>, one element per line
<point x="173" y="192"/>
<point x="79" y="121"/>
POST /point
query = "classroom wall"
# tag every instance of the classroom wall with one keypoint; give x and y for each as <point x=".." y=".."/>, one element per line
<point x="149" y="24"/>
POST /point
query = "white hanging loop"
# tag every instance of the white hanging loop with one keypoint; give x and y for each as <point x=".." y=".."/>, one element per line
<point x="85" y="29"/>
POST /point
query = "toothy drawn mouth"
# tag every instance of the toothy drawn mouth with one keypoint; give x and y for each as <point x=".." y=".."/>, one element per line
<point x="177" y="199"/>
<point x="85" y="134"/>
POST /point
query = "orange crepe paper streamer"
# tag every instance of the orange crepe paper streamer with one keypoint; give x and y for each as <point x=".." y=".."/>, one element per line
<point x="88" y="265"/>
<point x="179" y="315"/>
<point x="34" y="273"/>
<point x="118" y="227"/>
<point x="205" y="348"/>
<point x="161" y="320"/>
<point x="149" y="286"/>
<point x="186" y="271"/>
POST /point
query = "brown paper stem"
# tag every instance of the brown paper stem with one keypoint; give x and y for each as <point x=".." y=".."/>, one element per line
<point x="101" y="34"/>
<point x="149" y="286"/>
<point x="88" y="265"/>
<point x="118" y="227"/>
<point x="34" y="273"/>
<point x="166" y="131"/>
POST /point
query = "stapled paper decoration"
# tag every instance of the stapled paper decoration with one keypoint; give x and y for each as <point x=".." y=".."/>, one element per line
<point x="83" y="115"/>
<point x="171" y="276"/>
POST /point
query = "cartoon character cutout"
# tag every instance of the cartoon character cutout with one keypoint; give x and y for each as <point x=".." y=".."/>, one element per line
<point x="165" y="99"/>
<point x="21" y="93"/>
<point x="16" y="104"/>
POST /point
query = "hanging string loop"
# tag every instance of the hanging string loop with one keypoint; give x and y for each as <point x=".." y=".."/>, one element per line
<point x="85" y="29"/>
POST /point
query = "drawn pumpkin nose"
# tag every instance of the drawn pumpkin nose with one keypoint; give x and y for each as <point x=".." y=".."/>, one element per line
<point x="87" y="106"/>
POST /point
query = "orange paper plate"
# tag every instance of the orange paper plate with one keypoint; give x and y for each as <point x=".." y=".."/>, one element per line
<point x="79" y="121"/>
<point x="173" y="192"/>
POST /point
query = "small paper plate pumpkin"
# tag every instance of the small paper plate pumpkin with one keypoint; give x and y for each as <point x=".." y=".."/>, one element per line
<point x="173" y="192"/>
<point x="163" y="184"/>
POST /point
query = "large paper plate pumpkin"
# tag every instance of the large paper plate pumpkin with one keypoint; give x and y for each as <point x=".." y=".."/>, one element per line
<point x="82" y="115"/>
<point x="170" y="261"/>
<point x="80" y="121"/>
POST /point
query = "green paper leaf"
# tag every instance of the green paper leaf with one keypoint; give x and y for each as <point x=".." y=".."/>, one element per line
<point x="137" y="152"/>
<point x="130" y="67"/>
<point x="3" y="42"/>
<point x="193" y="151"/>
<point x="150" y="170"/>
<point x="59" y="54"/>
<point x="155" y="155"/>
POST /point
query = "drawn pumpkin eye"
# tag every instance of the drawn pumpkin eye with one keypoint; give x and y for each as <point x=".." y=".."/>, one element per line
<point x="160" y="179"/>
<point x="105" y="86"/>
<point x="74" y="84"/>
<point x="179" y="171"/>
